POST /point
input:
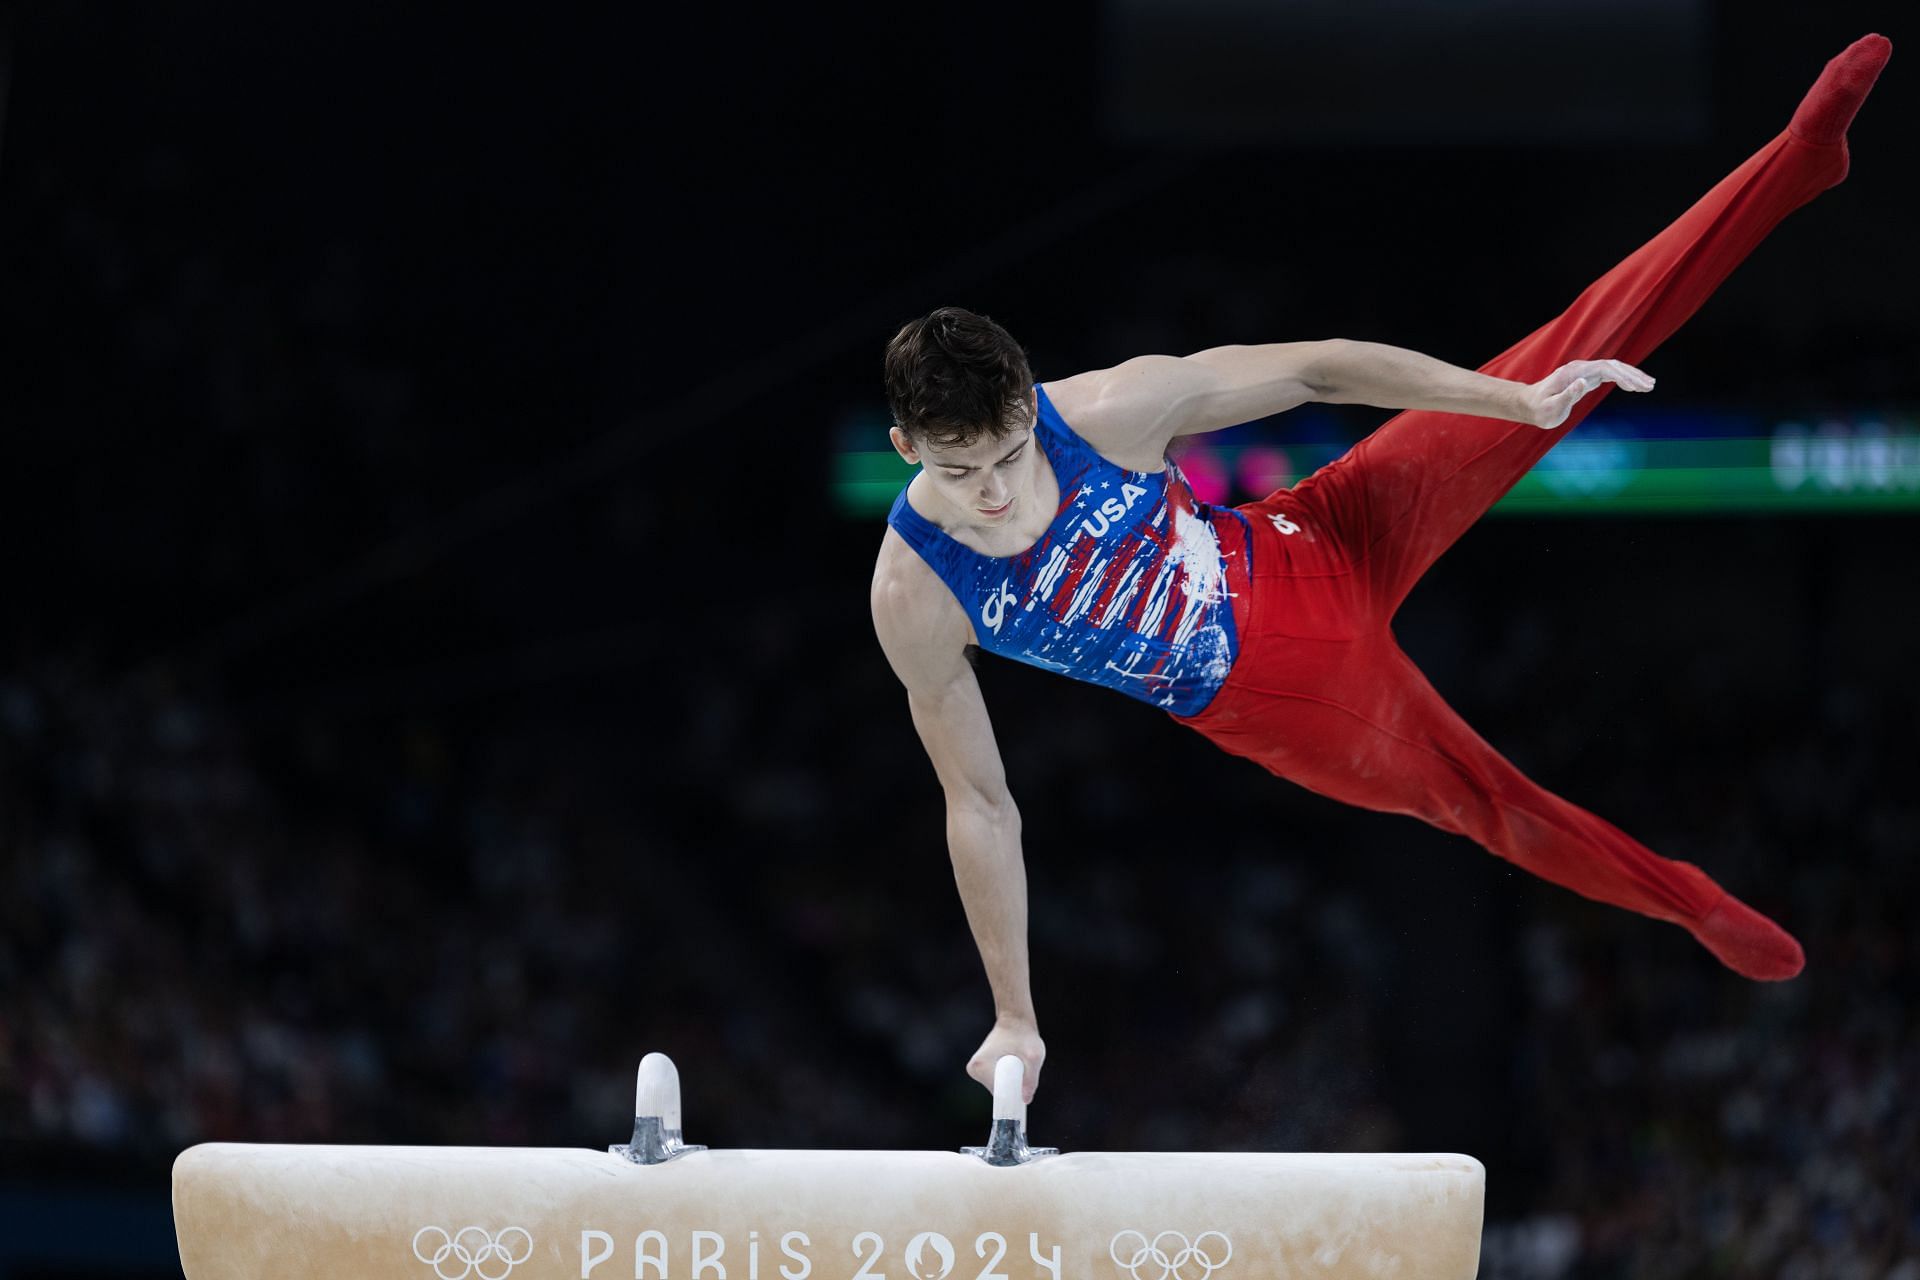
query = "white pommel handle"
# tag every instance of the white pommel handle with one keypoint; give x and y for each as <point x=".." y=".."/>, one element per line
<point x="1009" y="1079"/>
<point x="657" y="1093"/>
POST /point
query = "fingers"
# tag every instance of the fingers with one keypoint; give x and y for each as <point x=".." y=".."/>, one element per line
<point x="1588" y="374"/>
<point x="1627" y="377"/>
<point x="1582" y="377"/>
<point x="1618" y="372"/>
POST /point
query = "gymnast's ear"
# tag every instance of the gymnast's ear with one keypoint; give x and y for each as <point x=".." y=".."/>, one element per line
<point x="904" y="446"/>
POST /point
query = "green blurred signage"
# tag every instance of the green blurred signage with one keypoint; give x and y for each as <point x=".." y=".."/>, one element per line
<point x="1652" y="465"/>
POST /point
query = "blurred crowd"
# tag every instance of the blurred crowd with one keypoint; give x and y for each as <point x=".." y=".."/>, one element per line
<point x="385" y="759"/>
<point x="291" y="929"/>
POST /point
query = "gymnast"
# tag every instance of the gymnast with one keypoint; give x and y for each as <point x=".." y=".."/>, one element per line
<point x="1047" y="524"/>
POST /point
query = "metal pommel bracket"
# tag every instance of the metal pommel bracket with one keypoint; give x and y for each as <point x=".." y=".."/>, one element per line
<point x="656" y="1114"/>
<point x="1007" y="1142"/>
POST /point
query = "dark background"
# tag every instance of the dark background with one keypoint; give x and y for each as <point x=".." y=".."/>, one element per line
<point x="433" y="672"/>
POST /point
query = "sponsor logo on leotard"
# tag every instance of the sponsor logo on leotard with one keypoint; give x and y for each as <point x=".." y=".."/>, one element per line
<point x="994" y="611"/>
<point x="1283" y="523"/>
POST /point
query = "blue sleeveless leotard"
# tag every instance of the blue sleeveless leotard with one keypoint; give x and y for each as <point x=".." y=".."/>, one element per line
<point x="1130" y="587"/>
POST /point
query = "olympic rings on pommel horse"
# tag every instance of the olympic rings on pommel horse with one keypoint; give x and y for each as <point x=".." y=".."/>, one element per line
<point x="656" y="1208"/>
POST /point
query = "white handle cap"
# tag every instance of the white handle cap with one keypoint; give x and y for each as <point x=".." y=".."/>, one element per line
<point x="657" y="1093"/>
<point x="1009" y="1080"/>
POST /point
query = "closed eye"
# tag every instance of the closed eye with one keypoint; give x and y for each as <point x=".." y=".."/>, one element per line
<point x="962" y="473"/>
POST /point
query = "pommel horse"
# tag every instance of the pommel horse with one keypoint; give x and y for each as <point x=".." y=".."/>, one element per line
<point x="656" y="1208"/>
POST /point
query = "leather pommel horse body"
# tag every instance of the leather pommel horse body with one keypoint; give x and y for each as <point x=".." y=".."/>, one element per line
<point x="254" y="1212"/>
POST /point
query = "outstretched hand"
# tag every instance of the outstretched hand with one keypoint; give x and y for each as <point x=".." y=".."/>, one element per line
<point x="1022" y="1039"/>
<point x="1551" y="399"/>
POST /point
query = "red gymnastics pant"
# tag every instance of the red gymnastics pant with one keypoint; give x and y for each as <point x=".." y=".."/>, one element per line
<point x="1321" y="694"/>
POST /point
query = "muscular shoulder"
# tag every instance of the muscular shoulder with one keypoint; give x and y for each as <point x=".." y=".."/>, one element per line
<point x="920" y="625"/>
<point x="1126" y="412"/>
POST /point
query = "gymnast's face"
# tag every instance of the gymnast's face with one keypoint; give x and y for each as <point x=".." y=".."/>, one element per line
<point x="986" y="483"/>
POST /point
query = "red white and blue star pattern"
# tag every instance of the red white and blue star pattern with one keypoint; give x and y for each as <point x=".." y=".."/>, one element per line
<point x="1130" y="587"/>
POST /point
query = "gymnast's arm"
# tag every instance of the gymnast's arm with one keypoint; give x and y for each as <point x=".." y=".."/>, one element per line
<point x="1144" y="403"/>
<point x="924" y="634"/>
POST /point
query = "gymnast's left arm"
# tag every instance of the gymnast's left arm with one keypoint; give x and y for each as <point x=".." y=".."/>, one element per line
<point x="1350" y="372"/>
<point x="1140" y="405"/>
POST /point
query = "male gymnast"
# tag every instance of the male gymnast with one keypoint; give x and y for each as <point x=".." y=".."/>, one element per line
<point x="1081" y="549"/>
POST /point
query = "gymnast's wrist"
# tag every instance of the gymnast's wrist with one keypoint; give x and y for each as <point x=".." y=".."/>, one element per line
<point x="1518" y="403"/>
<point x="1017" y="1019"/>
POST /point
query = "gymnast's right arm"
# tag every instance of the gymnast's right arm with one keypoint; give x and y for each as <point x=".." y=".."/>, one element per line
<point x="924" y="634"/>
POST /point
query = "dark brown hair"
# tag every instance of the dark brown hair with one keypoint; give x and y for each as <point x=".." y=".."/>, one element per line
<point x="954" y="376"/>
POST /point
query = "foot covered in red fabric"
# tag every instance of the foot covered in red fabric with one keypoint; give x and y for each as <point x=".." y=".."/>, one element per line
<point x="1748" y="943"/>
<point x="1835" y="98"/>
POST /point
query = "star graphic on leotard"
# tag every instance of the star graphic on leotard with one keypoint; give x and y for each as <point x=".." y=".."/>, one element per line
<point x="1081" y="505"/>
<point x="1087" y="489"/>
<point x="1105" y="483"/>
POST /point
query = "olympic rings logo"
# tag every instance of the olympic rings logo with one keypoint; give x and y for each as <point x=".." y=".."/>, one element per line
<point x="1151" y="1256"/>
<point x="473" y="1251"/>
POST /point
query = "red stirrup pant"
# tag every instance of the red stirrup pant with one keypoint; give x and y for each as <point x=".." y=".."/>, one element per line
<point x="1322" y="695"/>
